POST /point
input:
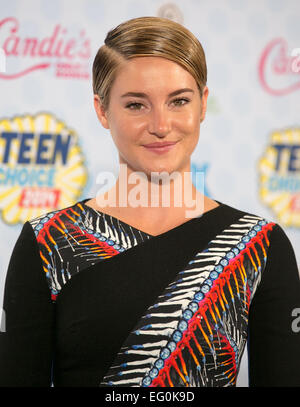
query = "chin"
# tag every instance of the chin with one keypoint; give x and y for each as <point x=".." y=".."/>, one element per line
<point x="159" y="170"/>
<point x="155" y="166"/>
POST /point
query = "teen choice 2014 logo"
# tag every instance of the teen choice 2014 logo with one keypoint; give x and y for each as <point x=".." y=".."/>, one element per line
<point x="41" y="166"/>
<point x="279" y="170"/>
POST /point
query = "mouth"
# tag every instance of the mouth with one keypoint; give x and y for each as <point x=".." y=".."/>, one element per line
<point x="160" y="148"/>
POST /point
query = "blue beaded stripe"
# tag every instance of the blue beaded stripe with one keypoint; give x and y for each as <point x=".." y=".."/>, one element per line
<point x="193" y="306"/>
<point x="40" y="225"/>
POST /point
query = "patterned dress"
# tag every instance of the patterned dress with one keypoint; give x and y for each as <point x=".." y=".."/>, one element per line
<point x="93" y="301"/>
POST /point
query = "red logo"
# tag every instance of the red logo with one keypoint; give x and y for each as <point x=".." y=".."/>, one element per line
<point x="72" y="52"/>
<point x="278" y="69"/>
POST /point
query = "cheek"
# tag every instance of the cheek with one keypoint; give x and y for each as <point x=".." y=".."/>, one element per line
<point x="135" y="125"/>
<point x="125" y="130"/>
<point x="190" y="124"/>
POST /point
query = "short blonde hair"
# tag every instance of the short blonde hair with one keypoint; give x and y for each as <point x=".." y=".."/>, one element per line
<point x="147" y="36"/>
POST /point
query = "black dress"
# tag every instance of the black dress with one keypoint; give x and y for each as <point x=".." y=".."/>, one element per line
<point x="92" y="301"/>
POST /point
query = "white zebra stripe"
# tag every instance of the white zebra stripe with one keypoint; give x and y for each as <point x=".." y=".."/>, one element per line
<point x="219" y="249"/>
<point x="176" y="298"/>
<point x="237" y="230"/>
<point x="222" y="242"/>
<point x="134" y="380"/>
<point x="199" y="280"/>
<point x="128" y="372"/>
<point x="164" y="315"/>
<point x="227" y="236"/>
<point x="237" y="225"/>
<point x="159" y="326"/>
<point x="209" y="257"/>
<point x="180" y="303"/>
<point x="137" y="362"/>
<point x="176" y="293"/>
<point x="167" y="331"/>
<point x="160" y="343"/>
<point x="144" y="353"/>
<point x="194" y="270"/>
<point x="190" y="278"/>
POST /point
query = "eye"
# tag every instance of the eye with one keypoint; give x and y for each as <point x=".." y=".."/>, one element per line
<point x="134" y="106"/>
<point x="180" y="101"/>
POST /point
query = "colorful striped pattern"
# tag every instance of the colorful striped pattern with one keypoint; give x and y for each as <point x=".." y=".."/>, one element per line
<point x="196" y="332"/>
<point x="75" y="233"/>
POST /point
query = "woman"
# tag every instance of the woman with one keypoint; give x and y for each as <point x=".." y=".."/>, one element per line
<point x="107" y="294"/>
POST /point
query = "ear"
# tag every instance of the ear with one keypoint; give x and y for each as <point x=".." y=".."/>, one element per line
<point x="204" y="102"/>
<point x="101" y="113"/>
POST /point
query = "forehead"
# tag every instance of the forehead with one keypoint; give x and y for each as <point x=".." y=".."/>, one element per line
<point x="152" y="72"/>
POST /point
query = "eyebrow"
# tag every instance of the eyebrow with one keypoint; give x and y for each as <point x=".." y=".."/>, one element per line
<point x="143" y="95"/>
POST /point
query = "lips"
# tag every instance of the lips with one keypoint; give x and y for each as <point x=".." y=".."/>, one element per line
<point x="165" y="144"/>
<point x="160" y="148"/>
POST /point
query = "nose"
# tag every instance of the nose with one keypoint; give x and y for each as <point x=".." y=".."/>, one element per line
<point x="159" y="122"/>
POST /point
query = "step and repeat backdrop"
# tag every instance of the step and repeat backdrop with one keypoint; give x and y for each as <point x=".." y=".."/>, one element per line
<point x="52" y="146"/>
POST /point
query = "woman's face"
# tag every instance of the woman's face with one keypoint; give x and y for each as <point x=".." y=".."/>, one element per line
<point x="154" y="100"/>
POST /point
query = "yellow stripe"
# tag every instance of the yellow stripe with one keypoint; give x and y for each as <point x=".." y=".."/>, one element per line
<point x="59" y="127"/>
<point x="31" y="123"/>
<point x="10" y="206"/>
<point x="9" y="192"/>
<point x="47" y="123"/>
<point x="18" y="121"/>
<point x="65" y="187"/>
<point x="63" y="173"/>
<point x="6" y="124"/>
<point x="276" y="201"/>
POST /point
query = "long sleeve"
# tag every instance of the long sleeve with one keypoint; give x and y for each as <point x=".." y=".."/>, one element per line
<point x="273" y="344"/>
<point x="26" y="345"/>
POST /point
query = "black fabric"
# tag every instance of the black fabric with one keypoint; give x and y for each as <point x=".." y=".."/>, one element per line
<point x="99" y="307"/>
<point x="274" y="348"/>
<point x="81" y="333"/>
<point x="26" y="346"/>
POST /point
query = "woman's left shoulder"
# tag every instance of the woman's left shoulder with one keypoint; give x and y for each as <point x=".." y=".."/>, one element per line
<point x="58" y="217"/>
<point x="246" y="214"/>
<point x="275" y="232"/>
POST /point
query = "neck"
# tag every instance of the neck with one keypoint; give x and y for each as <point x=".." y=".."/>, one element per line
<point x="157" y="194"/>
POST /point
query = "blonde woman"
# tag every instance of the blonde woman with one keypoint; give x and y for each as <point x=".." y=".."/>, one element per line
<point x="107" y="293"/>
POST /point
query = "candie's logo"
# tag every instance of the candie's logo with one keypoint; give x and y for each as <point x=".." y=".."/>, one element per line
<point x="279" y="170"/>
<point x="67" y="56"/>
<point x="279" y="68"/>
<point x="41" y="167"/>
